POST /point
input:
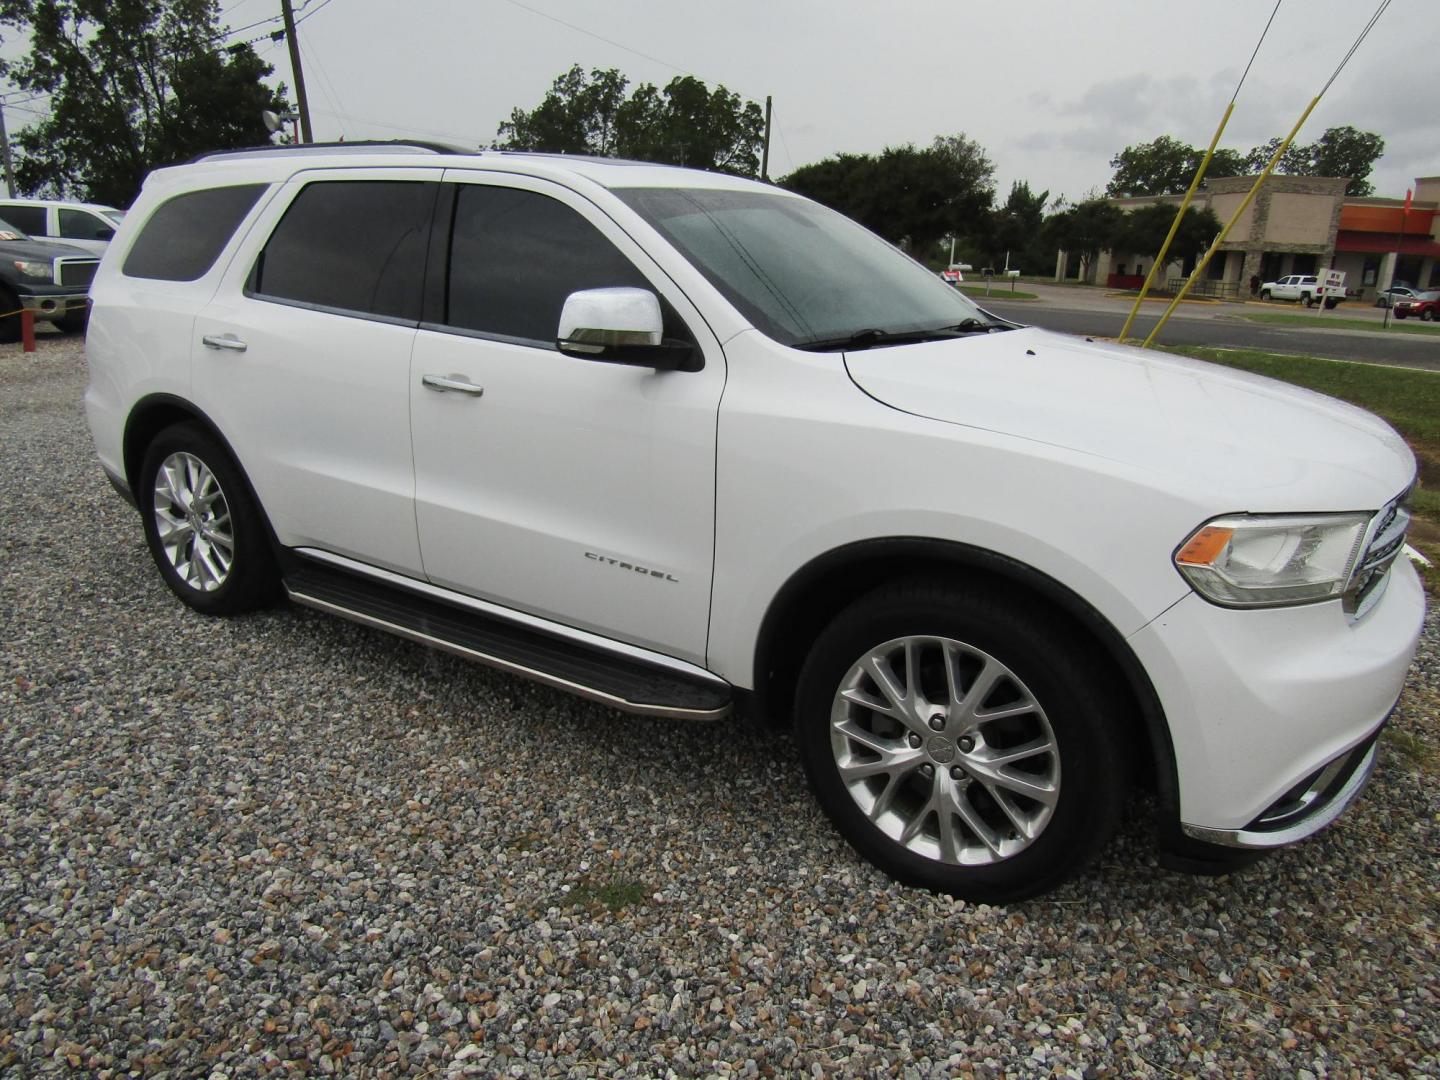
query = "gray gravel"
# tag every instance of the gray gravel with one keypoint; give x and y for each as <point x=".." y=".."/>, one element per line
<point x="284" y="844"/>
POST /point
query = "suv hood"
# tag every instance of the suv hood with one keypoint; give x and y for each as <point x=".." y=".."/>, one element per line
<point x="1252" y="443"/>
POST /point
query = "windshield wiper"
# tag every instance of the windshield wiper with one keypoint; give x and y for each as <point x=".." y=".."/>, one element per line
<point x="864" y="339"/>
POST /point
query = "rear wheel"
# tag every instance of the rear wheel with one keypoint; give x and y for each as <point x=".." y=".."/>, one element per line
<point x="961" y="742"/>
<point x="1308" y="300"/>
<point x="204" y="531"/>
<point x="1427" y="314"/>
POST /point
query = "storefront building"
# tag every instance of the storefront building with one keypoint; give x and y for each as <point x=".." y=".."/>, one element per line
<point x="1297" y="225"/>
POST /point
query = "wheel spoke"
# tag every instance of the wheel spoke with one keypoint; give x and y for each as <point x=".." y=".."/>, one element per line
<point x="980" y="688"/>
<point x="864" y="700"/>
<point x="1032" y="787"/>
<point x="880" y="672"/>
<point x="1009" y="755"/>
<point x="916" y="824"/>
<point x="973" y="821"/>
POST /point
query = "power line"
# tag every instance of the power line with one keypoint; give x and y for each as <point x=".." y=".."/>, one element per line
<point x="1256" y="53"/>
<point x="1353" y="48"/>
<point x="303" y="18"/>
<point x="598" y="37"/>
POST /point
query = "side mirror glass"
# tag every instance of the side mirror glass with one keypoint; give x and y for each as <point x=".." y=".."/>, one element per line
<point x="621" y="326"/>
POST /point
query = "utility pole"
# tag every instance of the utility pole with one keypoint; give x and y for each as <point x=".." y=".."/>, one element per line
<point x="294" y="43"/>
<point x="5" y="154"/>
<point x="765" y="158"/>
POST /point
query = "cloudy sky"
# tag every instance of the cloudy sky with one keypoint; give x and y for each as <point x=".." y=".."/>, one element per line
<point x="1051" y="89"/>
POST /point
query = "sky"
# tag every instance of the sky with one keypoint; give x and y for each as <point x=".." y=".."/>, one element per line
<point x="1051" y="90"/>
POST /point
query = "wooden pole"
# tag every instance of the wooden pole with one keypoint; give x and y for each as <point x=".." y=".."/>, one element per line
<point x="294" y="43"/>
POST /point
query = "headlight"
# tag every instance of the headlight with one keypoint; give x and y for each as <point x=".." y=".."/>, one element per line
<point x="42" y="270"/>
<point x="1253" y="561"/>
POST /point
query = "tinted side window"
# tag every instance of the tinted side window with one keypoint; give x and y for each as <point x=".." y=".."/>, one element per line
<point x="28" y="219"/>
<point x="186" y="234"/>
<point x="351" y="245"/>
<point x="514" y="258"/>
<point x="83" y="225"/>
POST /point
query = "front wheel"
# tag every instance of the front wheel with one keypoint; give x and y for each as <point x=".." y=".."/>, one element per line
<point x="1308" y="300"/>
<point x="1427" y="315"/>
<point x="1264" y="294"/>
<point x="960" y="742"/>
<point x="203" y="528"/>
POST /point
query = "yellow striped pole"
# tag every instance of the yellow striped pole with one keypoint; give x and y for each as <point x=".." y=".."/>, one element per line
<point x="1244" y="205"/>
<point x="1175" y="225"/>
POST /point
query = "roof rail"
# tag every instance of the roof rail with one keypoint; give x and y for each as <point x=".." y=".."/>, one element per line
<point x="391" y="145"/>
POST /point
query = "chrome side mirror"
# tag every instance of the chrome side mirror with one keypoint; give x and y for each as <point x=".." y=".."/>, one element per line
<point x="621" y="326"/>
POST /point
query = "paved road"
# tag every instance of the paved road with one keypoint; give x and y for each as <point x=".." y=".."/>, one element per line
<point x="1227" y="330"/>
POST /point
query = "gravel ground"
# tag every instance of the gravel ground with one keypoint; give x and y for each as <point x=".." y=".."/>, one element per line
<point x="284" y="844"/>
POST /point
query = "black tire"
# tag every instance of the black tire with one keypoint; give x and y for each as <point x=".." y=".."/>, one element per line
<point x="1056" y="667"/>
<point x="74" y="321"/>
<point x="1264" y="294"/>
<point x="250" y="580"/>
<point x="1427" y="314"/>
<point x="1308" y="300"/>
<point x="10" y="324"/>
<point x="1400" y="314"/>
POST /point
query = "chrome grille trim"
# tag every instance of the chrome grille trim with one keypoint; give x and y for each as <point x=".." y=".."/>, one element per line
<point x="75" y="270"/>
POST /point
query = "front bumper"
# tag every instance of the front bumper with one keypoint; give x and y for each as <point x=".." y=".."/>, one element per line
<point x="47" y="300"/>
<point x="1261" y="703"/>
<point x="1306" y="808"/>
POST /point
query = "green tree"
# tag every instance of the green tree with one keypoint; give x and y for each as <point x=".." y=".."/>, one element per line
<point x="1349" y="152"/>
<point x="1165" y="166"/>
<point x="906" y="193"/>
<point x="1017" y="228"/>
<point x="132" y="85"/>
<point x="685" y="123"/>
<point x="578" y="115"/>
<point x="1143" y="230"/>
<point x="1084" y="229"/>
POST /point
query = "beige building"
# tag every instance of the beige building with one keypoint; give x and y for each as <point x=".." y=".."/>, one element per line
<point x="1297" y="225"/>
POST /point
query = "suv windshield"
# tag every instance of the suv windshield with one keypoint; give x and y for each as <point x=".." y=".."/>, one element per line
<point x="804" y="275"/>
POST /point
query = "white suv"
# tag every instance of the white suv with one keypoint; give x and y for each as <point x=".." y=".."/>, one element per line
<point x="680" y="442"/>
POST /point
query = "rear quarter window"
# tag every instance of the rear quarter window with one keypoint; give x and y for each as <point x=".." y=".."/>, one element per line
<point x="186" y="234"/>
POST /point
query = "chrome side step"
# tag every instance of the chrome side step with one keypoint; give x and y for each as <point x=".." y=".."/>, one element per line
<point x="619" y="681"/>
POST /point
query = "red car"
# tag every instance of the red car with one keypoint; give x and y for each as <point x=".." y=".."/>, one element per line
<point x="1426" y="305"/>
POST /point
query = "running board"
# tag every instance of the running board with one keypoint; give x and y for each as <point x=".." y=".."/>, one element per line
<point x="620" y="681"/>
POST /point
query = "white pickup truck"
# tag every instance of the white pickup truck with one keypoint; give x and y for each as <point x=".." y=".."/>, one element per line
<point x="1302" y="287"/>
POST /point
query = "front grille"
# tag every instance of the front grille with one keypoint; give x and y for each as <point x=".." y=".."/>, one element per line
<point x="75" y="272"/>
<point x="1387" y="540"/>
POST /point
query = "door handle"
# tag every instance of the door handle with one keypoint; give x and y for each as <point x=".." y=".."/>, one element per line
<point x="442" y="383"/>
<point x="225" y="342"/>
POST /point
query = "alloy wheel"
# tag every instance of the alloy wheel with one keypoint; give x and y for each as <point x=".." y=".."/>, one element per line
<point x="945" y="750"/>
<point x="192" y="521"/>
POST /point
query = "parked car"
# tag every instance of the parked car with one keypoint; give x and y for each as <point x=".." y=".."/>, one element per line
<point x="52" y="280"/>
<point x="1421" y="305"/>
<point x="1396" y="292"/>
<point x="84" y="225"/>
<point x="684" y="443"/>
<point x="1302" y="287"/>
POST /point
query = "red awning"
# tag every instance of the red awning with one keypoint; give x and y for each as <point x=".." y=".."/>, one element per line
<point x="1371" y="243"/>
